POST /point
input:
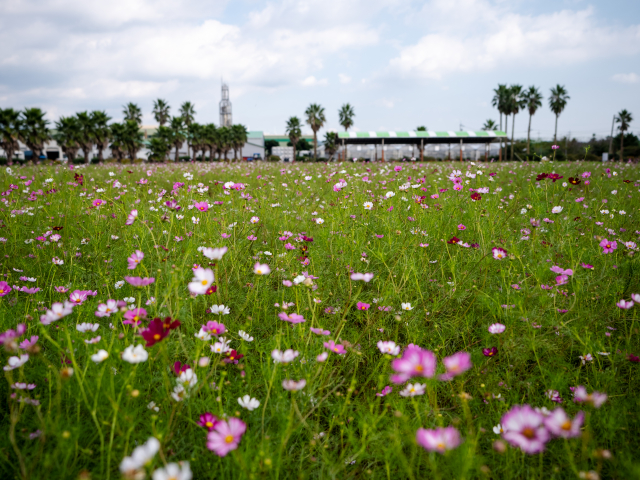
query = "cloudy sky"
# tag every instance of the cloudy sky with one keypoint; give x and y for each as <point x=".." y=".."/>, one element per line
<point x="400" y="63"/>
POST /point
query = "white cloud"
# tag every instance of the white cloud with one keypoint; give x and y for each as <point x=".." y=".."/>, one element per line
<point x="484" y="37"/>
<point x="387" y="103"/>
<point x="344" y="78"/>
<point x="626" y="78"/>
<point x="312" y="81"/>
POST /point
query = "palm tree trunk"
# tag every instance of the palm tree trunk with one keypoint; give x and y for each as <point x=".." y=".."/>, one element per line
<point x="529" y="135"/>
<point x="177" y="158"/>
<point x="513" y="129"/>
<point x="500" y="153"/>
<point x="315" y="146"/>
<point x="294" y="151"/>
<point x="621" y="146"/>
<point x="555" y="132"/>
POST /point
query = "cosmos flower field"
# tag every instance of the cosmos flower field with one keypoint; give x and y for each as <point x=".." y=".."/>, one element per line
<point x="391" y="320"/>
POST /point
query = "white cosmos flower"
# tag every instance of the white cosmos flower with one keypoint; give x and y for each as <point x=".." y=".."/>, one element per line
<point x="58" y="311"/>
<point x="214" y="253"/>
<point x="412" y="390"/>
<point x="100" y="356"/>
<point x="188" y="378"/>
<point x="202" y="280"/>
<point x="319" y="221"/>
<point x="284" y="357"/>
<point x="221" y="346"/>
<point x="292" y="385"/>
<point x="87" y="327"/>
<point x="299" y="279"/>
<point x="135" y="354"/>
<point x="498" y="429"/>
<point x="406" y="306"/>
<point x="389" y="347"/>
<point x="195" y="220"/>
<point x="173" y="471"/>
<point x="119" y="284"/>
<point x="368" y="205"/>
<point x="220" y="310"/>
<point x="16" y="362"/>
<point x="202" y="335"/>
<point x="248" y="403"/>
<point x="140" y="455"/>
<point x="245" y="336"/>
<point x="556" y="210"/>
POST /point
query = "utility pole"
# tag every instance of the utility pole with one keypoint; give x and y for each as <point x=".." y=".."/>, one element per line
<point x="566" y="146"/>
<point x="613" y="121"/>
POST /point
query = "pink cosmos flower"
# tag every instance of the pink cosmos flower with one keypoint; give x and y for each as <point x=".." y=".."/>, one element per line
<point x="77" y="297"/>
<point x="523" y="427"/>
<point x="4" y="289"/>
<point x="287" y="283"/>
<point x="202" y="280"/>
<point x="561" y="271"/>
<point x="607" y="246"/>
<point x="25" y="344"/>
<point x="225" y="235"/>
<point x="58" y="311"/>
<point x="131" y="217"/>
<point x="135" y="259"/>
<point x="319" y="331"/>
<point x="499" y="253"/>
<point x="226" y="436"/>
<point x="139" y="281"/>
<point x="366" y="277"/>
<point x="334" y="347"/>
<point x="292" y="318"/>
<point x="201" y="206"/>
<point x="106" y="309"/>
<point x="135" y="316"/>
<point x="293" y="386"/>
<point x="461" y="227"/>
<point x="208" y="421"/>
<point x="61" y="289"/>
<point x="415" y="362"/>
<point x="456" y="364"/>
<point x="636" y="297"/>
<point x="586" y="265"/>
<point x="595" y="399"/>
<point x="261" y="269"/>
<point x="388" y="347"/>
<point x="561" y="280"/>
<point x="97" y="202"/>
<point x="363" y="306"/>
<point x="496" y="328"/>
<point x="560" y="425"/>
<point x="214" y="328"/>
<point x="625" y="305"/>
<point x="439" y="439"/>
<point x="385" y="391"/>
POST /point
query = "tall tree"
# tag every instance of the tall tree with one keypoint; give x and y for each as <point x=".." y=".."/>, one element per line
<point x="34" y="130"/>
<point x="165" y="134"/>
<point x="118" y="140"/>
<point x="101" y="131"/>
<point x="133" y="139"/>
<point x="346" y="114"/>
<point x="178" y="134"/>
<point x="516" y="103"/>
<point x="239" y="134"/>
<point x="489" y="125"/>
<point x="224" y="141"/>
<point x="132" y="112"/>
<point x="533" y="101"/>
<point x="624" y="118"/>
<point x="330" y="144"/>
<point x="557" y="102"/>
<point x="187" y="112"/>
<point x="499" y="101"/>
<point x="158" y="148"/>
<point x="9" y="132"/>
<point x="87" y="134"/>
<point x="315" y="119"/>
<point x="210" y="139"/>
<point x="294" y="133"/>
<point x="68" y="135"/>
<point x="161" y="111"/>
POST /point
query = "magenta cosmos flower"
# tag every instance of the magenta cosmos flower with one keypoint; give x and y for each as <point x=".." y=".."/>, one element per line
<point x="226" y="436"/>
<point x="215" y="328"/>
<point x="365" y="277"/>
<point x="456" y="364"/>
<point x="595" y="399"/>
<point x="97" y="202"/>
<point x="385" y="391"/>
<point x="320" y="331"/>
<point x="363" y="306"/>
<point x="4" y="289"/>
<point x="523" y="427"/>
<point x="560" y="425"/>
<point x="439" y="439"/>
<point x="334" y="347"/>
<point x="291" y="318"/>
<point x="624" y="304"/>
<point x="131" y="217"/>
<point x="135" y="259"/>
<point x="415" y="362"/>
<point x="499" y="253"/>
<point x="139" y="281"/>
<point x="135" y="316"/>
<point x="496" y="328"/>
<point x="208" y="421"/>
<point x="202" y="206"/>
<point x="607" y="246"/>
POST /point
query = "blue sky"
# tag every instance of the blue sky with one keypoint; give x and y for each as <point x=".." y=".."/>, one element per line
<point x="399" y="63"/>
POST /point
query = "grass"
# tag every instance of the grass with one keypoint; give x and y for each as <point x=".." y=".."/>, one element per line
<point x="90" y="415"/>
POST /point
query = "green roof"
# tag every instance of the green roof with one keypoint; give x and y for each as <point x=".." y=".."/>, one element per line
<point x="421" y="134"/>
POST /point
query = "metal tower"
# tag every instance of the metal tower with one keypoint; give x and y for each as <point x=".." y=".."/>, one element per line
<point x="225" y="107"/>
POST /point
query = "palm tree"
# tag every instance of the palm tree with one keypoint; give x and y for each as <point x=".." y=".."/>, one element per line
<point x="178" y="136"/>
<point x="9" y="132"/>
<point x="346" y="114"/>
<point x="133" y="139"/>
<point x="294" y="133"/>
<point x="224" y="141"/>
<point x="209" y="139"/>
<point x="34" y="131"/>
<point x="239" y="135"/>
<point x="315" y="119"/>
<point x="161" y="111"/>
<point x="68" y="135"/>
<point x="158" y="148"/>
<point x="421" y="128"/>
<point x="330" y="143"/>
<point x="499" y="101"/>
<point x="557" y="102"/>
<point x="86" y="134"/>
<point x="489" y="125"/>
<point x="132" y="112"/>
<point x="516" y="103"/>
<point x="118" y="140"/>
<point x="166" y="135"/>
<point x="533" y="101"/>
<point x="187" y="112"/>
<point x="101" y="131"/>
<point x="624" y="118"/>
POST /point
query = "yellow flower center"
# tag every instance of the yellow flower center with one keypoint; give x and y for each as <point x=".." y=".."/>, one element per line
<point x="529" y="433"/>
<point x="209" y="424"/>
<point x="419" y="368"/>
<point x="157" y="336"/>
<point x="228" y="439"/>
<point x="204" y="282"/>
<point x="566" y="425"/>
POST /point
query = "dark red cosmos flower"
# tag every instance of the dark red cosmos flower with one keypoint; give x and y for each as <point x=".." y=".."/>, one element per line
<point x="78" y="178"/>
<point x="211" y="289"/>
<point x="627" y="181"/>
<point x="178" y="368"/>
<point x="232" y="357"/>
<point x="554" y="177"/>
<point x="208" y="421"/>
<point x="490" y="352"/>
<point x="453" y="241"/>
<point x="574" y="181"/>
<point x="307" y="239"/>
<point x="633" y="358"/>
<point x="169" y="324"/>
<point x="577" y="219"/>
<point x="57" y="229"/>
<point x="475" y="245"/>
<point x="492" y="174"/>
<point x="541" y="176"/>
<point x="155" y="332"/>
<point x="476" y="196"/>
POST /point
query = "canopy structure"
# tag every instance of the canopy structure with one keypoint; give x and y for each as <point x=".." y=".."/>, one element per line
<point x="421" y="138"/>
